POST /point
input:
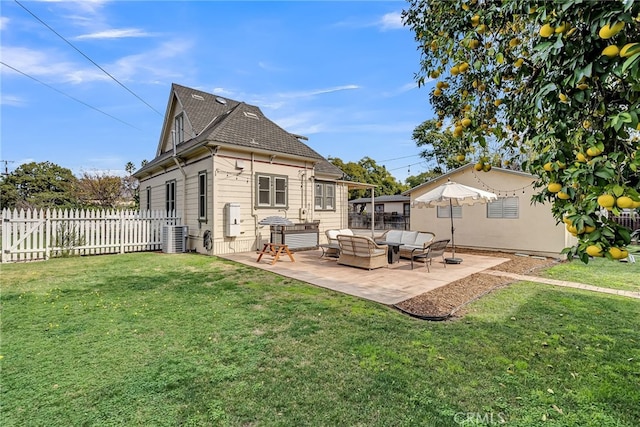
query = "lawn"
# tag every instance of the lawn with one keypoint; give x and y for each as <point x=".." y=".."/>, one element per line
<point x="600" y="272"/>
<point x="155" y="339"/>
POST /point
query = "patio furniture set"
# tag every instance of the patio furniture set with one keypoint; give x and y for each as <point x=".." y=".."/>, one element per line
<point x="365" y="252"/>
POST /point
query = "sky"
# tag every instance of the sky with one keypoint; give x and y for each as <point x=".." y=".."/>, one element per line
<point x="85" y="84"/>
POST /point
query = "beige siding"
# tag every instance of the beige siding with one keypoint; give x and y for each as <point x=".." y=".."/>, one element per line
<point x="534" y="231"/>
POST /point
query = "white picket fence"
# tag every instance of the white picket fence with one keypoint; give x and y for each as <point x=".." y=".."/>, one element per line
<point x="41" y="234"/>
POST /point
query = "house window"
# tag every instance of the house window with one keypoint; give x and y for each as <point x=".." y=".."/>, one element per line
<point x="406" y="209"/>
<point x="325" y="196"/>
<point x="445" y="211"/>
<point x="148" y="198"/>
<point x="179" y="128"/>
<point x="202" y="196"/>
<point x="170" y="196"/>
<point x="504" y="207"/>
<point x="271" y="191"/>
<point x="379" y="208"/>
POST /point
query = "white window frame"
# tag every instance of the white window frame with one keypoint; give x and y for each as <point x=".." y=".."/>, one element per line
<point x="170" y="196"/>
<point x="148" y="198"/>
<point x="325" y="196"/>
<point x="445" y="211"/>
<point x="179" y="128"/>
<point x="202" y="196"/>
<point x="504" y="208"/>
<point x="273" y="190"/>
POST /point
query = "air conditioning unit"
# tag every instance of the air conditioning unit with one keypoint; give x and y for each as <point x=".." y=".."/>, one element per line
<point x="174" y="238"/>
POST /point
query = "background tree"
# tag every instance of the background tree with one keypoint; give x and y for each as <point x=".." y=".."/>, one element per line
<point x="415" y="180"/>
<point x="39" y="186"/>
<point x="368" y="171"/>
<point x="555" y="83"/>
<point x="100" y="190"/>
<point x="130" y="186"/>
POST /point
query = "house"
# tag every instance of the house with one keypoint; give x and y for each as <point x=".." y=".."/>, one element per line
<point x="512" y="223"/>
<point x="223" y="166"/>
<point x="398" y="204"/>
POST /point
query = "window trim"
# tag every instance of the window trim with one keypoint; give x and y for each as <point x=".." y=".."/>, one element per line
<point x="512" y="211"/>
<point x="441" y="212"/>
<point x="148" y="191"/>
<point x="273" y="191"/>
<point x="202" y="196"/>
<point x="170" y="190"/>
<point x="178" y="127"/>
<point x="324" y="197"/>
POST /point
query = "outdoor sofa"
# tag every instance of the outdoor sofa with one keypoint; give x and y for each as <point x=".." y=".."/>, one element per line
<point x="332" y="248"/>
<point x="411" y="242"/>
<point x="362" y="252"/>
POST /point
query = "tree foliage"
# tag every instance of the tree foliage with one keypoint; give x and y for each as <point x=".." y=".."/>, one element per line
<point x="368" y="171"/>
<point x="100" y="190"/>
<point x="38" y="186"/>
<point x="415" y="180"/>
<point x="556" y="84"/>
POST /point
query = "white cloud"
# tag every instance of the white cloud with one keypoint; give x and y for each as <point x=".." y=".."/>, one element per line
<point x="114" y="33"/>
<point x="3" y="22"/>
<point x="315" y="92"/>
<point x="12" y="100"/>
<point x="391" y="21"/>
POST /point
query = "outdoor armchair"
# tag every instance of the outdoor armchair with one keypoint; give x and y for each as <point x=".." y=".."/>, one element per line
<point x="433" y="250"/>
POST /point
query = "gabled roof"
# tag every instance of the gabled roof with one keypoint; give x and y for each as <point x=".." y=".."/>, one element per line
<point x="216" y="120"/>
<point x="461" y="169"/>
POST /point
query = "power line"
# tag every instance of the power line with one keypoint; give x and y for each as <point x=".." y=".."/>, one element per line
<point x="398" y="158"/>
<point x="88" y="59"/>
<point x="69" y="96"/>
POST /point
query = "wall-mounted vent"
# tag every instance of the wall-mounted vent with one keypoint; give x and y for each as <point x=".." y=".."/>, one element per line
<point x="251" y="115"/>
<point x="174" y="238"/>
<point x="221" y="100"/>
<point x="198" y="97"/>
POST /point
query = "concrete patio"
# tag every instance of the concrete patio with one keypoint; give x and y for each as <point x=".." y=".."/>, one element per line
<point x="384" y="285"/>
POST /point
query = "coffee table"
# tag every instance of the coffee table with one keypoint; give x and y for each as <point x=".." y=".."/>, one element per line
<point x="393" y="254"/>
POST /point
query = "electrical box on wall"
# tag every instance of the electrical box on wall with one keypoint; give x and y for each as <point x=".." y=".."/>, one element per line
<point x="302" y="214"/>
<point x="232" y="219"/>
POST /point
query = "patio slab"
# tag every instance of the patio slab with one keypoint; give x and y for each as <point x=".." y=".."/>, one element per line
<point x="384" y="285"/>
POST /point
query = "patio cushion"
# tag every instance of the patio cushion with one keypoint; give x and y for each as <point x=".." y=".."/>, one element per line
<point x="411" y="241"/>
<point x="333" y="233"/>
<point x="409" y="237"/>
<point x="361" y="251"/>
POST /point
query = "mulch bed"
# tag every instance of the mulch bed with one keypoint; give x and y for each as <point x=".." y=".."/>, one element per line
<point x="448" y="301"/>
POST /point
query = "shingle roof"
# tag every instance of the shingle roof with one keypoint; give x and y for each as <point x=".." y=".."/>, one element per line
<point x="226" y="121"/>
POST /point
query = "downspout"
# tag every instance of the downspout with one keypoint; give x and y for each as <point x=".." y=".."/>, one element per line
<point x="184" y="179"/>
<point x="213" y="150"/>
<point x="254" y="215"/>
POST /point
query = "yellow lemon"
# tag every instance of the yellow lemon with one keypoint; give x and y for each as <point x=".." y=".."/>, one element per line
<point x="475" y="20"/>
<point x="437" y="92"/>
<point x="618" y="253"/>
<point x="561" y="28"/>
<point x="562" y="195"/>
<point x="486" y="167"/>
<point x="481" y="29"/>
<point x="589" y="229"/>
<point x="609" y="31"/>
<point x="548" y="166"/>
<point x="624" y="202"/>
<point x="514" y="42"/>
<point x="497" y="102"/>
<point x="593" y="151"/>
<point x="546" y="30"/>
<point x="636" y="205"/>
<point x="466" y="122"/>
<point x="434" y="74"/>
<point x="518" y="63"/>
<point x="554" y="187"/>
<point x="572" y="229"/>
<point x="460" y="157"/>
<point x="463" y="67"/>
<point x="560" y="165"/>
<point x="473" y="44"/>
<point x="606" y="201"/>
<point x="583" y="86"/>
<point x="594" y="250"/>
<point x="455" y="71"/>
<point x="563" y="98"/>
<point x="624" y="52"/>
<point x="478" y="166"/>
<point x="611" y="51"/>
<point x="581" y="158"/>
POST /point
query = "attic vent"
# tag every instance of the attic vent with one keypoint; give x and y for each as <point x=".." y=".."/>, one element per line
<point x="221" y="100"/>
<point x="251" y="115"/>
<point x="198" y="97"/>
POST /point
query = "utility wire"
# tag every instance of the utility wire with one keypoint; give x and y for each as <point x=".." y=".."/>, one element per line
<point x="89" y="59"/>
<point x="398" y="158"/>
<point x="69" y="96"/>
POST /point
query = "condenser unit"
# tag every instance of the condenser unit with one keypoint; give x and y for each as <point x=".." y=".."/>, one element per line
<point x="174" y="238"/>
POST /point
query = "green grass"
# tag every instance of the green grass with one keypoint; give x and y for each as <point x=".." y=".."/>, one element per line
<point x="152" y="339"/>
<point x="599" y="272"/>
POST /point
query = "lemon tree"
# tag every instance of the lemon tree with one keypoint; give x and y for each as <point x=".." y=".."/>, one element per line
<point x="557" y="84"/>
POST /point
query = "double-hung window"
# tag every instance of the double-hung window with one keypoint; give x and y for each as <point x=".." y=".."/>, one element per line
<point x="202" y="196"/>
<point x="504" y="207"/>
<point x="179" y="128"/>
<point x="170" y="196"/>
<point x="271" y="191"/>
<point x="148" y="198"/>
<point x="325" y="196"/>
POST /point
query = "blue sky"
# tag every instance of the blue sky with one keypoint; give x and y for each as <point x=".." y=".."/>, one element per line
<point x="340" y="73"/>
